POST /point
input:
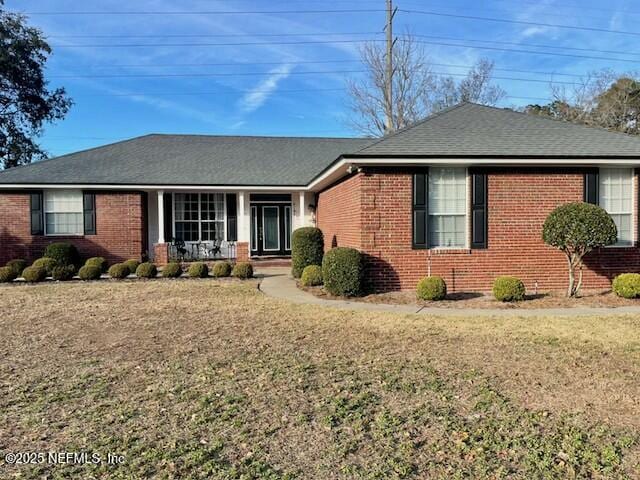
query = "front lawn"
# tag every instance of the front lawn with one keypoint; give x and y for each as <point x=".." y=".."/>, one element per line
<point x="207" y="379"/>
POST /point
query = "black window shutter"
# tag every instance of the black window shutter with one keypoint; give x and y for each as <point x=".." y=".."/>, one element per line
<point x="591" y="186"/>
<point x="232" y="218"/>
<point x="37" y="214"/>
<point x="168" y="216"/>
<point x="89" y="210"/>
<point x="420" y="197"/>
<point x="479" y="224"/>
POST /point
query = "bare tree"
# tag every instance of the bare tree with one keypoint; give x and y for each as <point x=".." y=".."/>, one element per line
<point x="417" y="91"/>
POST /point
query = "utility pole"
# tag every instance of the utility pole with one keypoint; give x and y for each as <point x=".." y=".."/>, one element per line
<point x="389" y="124"/>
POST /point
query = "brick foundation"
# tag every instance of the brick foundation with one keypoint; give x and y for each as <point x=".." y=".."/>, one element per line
<point x="371" y="211"/>
<point x="242" y="252"/>
<point x="120" y="223"/>
<point x="161" y="253"/>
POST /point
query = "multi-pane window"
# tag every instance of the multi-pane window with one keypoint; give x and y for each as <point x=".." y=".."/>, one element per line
<point x="199" y="216"/>
<point x="447" y="207"/>
<point x="63" y="212"/>
<point x="616" y="197"/>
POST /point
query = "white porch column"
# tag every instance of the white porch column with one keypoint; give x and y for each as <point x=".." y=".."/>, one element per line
<point x="301" y="211"/>
<point x="243" y="219"/>
<point x="161" y="238"/>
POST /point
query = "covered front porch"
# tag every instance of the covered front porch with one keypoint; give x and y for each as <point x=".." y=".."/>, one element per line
<point x="214" y="224"/>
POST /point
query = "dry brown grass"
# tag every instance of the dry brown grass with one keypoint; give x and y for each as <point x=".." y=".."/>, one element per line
<point x="206" y="379"/>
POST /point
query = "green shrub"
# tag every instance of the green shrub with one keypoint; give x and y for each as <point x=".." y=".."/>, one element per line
<point x="307" y="248"/>
<point x="62" y="273"/>
<point x="7" y="274"/>
<point x="47" y="263"/>
<point x="222" y="269"/>
<point x="132" y="265"/>
<point x="99" y="262"/>
<point x="147" y="270"/>
<point x="18" y="265"/>
<point x="119" y="271"/>
<point x="198" y="270"/>
<point x="172" y="270"/>
<point x="311" y="276"/>
<point x="64" y="253"/>
<point x="89" y="272"/>
<point x="431" y="288"/>
<point x="627" y="285"/>
<point x="242" y="270"/>
<point x="508" y="289"/>
<point x="34" y="274"/>
<point x="343" y="272"/>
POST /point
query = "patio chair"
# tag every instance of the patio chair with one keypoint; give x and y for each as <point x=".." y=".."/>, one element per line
<point x="180" y="247"/>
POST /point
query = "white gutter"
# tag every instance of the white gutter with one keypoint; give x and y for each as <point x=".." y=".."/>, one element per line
<point x="227" y="188"/>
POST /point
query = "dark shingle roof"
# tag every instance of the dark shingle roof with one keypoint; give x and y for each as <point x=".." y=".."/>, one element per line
<point x="191" y="160"/>
<point x="471" y="130"/>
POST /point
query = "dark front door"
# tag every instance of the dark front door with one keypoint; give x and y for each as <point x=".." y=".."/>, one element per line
<point x="270" y="229"/>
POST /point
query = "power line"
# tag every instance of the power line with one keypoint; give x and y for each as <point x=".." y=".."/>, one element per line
<point x="202" y="12"/>
<point x="215" y="35"/>
<point x="235" y="44"/>
<point x="217" y="74"/>
<point x="519" y="22"/>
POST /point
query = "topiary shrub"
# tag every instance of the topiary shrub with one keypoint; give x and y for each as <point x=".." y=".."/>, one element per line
<point x="34" y="274"/>
<point x="222" y="269"/>
<point x="307" y="248"/>
<point x="147" y="270"/>
<point x="627" y="285"/>
<point x="119" y="271"/>
<point x="64" y="253"/>
<point x="432" y="288"/>
<point x="576" y="229"/>
<point x="89" y="272"/>
<point x="132" y="265"/>
<point x="62" y="273"/>
<point x="198" y="270"/>
<point x="99" y="262"/>
<point x="508" y="289"/>
<point x="242" y="270"/>
<point x="172" y="270"/>
<point x="7" y="274"/>
<point x="343" y="271"/>
<point x="47" y="263"/>
<point x="18" y="265"/>
<point x="311" y="276"/>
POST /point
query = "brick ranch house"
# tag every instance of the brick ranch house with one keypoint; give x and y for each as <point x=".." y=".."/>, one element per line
<point x="462" y="194"/>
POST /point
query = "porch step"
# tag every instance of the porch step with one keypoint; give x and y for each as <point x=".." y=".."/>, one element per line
<point x="271" y="262"/>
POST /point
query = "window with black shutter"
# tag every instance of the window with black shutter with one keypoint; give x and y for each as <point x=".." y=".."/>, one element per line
<point x="420" y="196"/>
<point x="232" y="218"/>
<point x="37" y="214"/>
<point x="89" y="211"/>
<point x="591" y="187"/>
<point x="479" y="224"/>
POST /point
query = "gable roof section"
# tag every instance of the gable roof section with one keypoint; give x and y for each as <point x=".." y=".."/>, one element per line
<point x="191" y="160"/>
<point x="474" y="131"/>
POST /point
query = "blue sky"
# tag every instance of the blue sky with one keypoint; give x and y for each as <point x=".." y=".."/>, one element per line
<point x="263" y="88"/>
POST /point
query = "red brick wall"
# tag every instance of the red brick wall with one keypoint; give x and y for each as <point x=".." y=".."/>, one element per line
<point x="120" y="223"/>
<point x="519" y="202"/>
<point x="339" y="213"/>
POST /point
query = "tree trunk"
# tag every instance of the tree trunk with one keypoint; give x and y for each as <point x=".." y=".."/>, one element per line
<point x="572" y="277"/>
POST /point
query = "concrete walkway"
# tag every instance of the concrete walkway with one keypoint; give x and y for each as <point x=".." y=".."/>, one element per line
<point x="277" y="282"/>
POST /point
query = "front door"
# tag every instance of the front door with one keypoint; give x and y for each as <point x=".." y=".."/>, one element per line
<point x="270" y="229"/>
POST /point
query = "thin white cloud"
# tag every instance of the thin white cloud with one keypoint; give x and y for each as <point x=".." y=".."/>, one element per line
<point x="258" y="95"/>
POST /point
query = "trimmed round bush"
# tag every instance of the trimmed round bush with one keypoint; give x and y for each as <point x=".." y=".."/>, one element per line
<point x="34" y="274"/>
<point x="7" y="274"/>
<point x="119" y="271"/>
<point x="47" y="263"/>
<point x="132" y="265"/>
<point x="147" y="270"/>
<point x="89" y="272"/>
<point x="172" y="270"/>
<point x="198" y="270"/>
<point x="242" y="270"/>
<point x="62" y="273"/>
<point x="431" y="288"/>
<point x="64" y="253"/>
<point x="307" y="248"/>
<point x="18" y="265"/>
<point x="311" y="276"/>
<point x="221" y="269"/>
<point x="99" y="262"/>
<point x="508" y="289"/>
<point x="627" y="285"/>
<point x="343" y="272"/>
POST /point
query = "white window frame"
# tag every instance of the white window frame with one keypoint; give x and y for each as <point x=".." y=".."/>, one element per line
<point x="46" y="211"/>
<point x="199" y="221"/>
<point x="465" y="244"/>
<point x="630" y="213"/>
